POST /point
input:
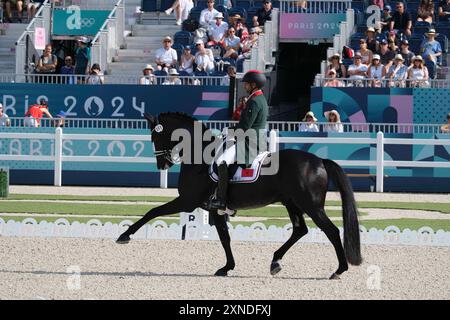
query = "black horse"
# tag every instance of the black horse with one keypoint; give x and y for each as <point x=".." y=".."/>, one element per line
<point x="300" y="184"/>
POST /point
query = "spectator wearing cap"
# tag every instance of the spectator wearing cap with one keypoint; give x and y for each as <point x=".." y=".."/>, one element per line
<point x="386" y="55"/>
<point x="82" y="58"/>
<point x="95" y="76"/>
<point x="444" y="10"/>
<point x="309" y="123"/>
<point x="365" y="53"/>
<point x="372" y="43"/>
<point x="4" y="119"/>
<point x="357" y="70"/>
<point x="406" y="54"/>
<point x="401" y="19"/>
<point x="217" y="31"/>
<point x="397" y="73"/>
<point x="425" y="11"/>
<point x="445" y="128"/>
<point x="331" y="79"/>
<point x="173" y="78"/>
<point x="386" y="18"/>
<point x="418" y="73"/>
<point x="262" y="15"/>
<point x="376" y="71"/>
<point x="67" y="70"/>
<point x="337" y="65"/>
<point x="187" y="61"/>
<point x="232" y="44"/>
<point x="204" y="58"/>
<point x="182" y="9"/>
<point x="207" y="15"/>
<point x="166" y="57"/>
<point x="148" y="76"/>
<point x="431" y="49"/>
<point x="334" y="122"/>
<point x="60" y="119"/>
<point x="35" y="113"/>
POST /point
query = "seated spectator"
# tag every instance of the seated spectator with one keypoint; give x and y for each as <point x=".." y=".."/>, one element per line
<point x="237" y="113"/>
<point x="232" y="44"/>
<point x="35" y="113"/>
<point x="386" y="18"/>
<point x="262" y="15"/>
<point x="418" y="73"/>
<point x="82" y="57"/>
<point x="95" y="76"/>
<point x="217" y="31"/>
<point x="68" y="70"/>
<point x="32" y="7"/>
<point x="208" y="14"/>
<point x="401" y="20"/>
<point x="425" y="11"/>
<point x="444" y="10"/>
<point x="365" y="53"/>
<point x="446" y="127"/>
<point x="173" y="78"/>
<point x="372" y="43"/>
<point x="204" y="58"/>
<point x="148" y="76"/>
<point x="392" y="40"/>
<point x="337" y="65"/>
<point x="406" y="54"/>
<point x="233" y="19"/>
<point x="230" y="76"/>
<point x="376" y="71"/>
<point x="17" y="5"/>
<point x="331" y="80"/>
<point x="248" y="44"/>
<point x="300" y="7"/>
<point x="357" y="71"/>
<point x="182" y="9"/>
<point x="241" y="30"/>
<point x="47" y="64"/>
<point x="187" y="61"/>
<point x="378" y="3"/>
<point x="386" y="55"/>
<point x="397" y="73"/>
<point x="166" y="57"/>
<point x="430" y="49"/>
<point x="334" y="122"/>
<point x="309" y="123"/>
<point x="4" y="119"/>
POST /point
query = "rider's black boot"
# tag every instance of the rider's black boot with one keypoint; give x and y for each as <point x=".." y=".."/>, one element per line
<point x="220" y="202"/>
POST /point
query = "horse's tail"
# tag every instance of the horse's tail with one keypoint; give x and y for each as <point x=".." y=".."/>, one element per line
<point x="352" y="245"/>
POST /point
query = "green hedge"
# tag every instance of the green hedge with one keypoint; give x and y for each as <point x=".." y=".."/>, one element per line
<point x="4" y="184"/>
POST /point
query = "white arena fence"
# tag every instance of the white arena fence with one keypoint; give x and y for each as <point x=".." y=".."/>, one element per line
<point x="94" y="229"/>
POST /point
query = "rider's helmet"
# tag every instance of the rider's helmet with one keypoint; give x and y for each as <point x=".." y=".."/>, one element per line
<point x="255" y="76"/>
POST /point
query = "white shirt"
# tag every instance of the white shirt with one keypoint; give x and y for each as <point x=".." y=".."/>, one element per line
<point x="376" y="72"/>
<point x="172" y="82"/>
<point x="232" y="41"/>
<point x="333" y="127"/>
<point x="308" y="127"/>
<point x="166" y="56"/>
<point x="207" y="17"/>
<point x="361" y="67"/>
<point x="3" y="120"/>
<point x="206" y="61"/>
<point x="217" y="32"/>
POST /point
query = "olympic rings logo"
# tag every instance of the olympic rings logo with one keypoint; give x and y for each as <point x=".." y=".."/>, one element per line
<point x="87" y="22"/>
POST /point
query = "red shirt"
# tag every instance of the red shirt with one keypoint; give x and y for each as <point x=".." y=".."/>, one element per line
<point x="36" y="112"/>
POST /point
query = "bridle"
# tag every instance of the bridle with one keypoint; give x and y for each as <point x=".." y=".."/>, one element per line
<point x="166" y="153"/>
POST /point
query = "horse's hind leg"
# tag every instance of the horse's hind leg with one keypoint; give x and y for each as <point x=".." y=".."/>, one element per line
<point x="332" y="232"/>
<point x="222" y="229"/>
<point x="299" y="229"/>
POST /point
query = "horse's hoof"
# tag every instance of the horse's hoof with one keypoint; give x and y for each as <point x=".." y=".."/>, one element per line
<point x="335" y="276"/>
<point x="123" y="239"/>
<point x="275" y="267"/>
<point x="221" y="273"/>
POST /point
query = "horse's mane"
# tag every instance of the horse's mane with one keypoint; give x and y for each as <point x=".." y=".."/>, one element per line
<point x="180" y="116"/>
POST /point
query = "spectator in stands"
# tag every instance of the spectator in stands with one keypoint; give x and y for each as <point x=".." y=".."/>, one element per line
<point x="365" y="53"/>
<point x="173" y="78"/>
<point x="166" y="57"/>
<point x="372" y="43"/>
<point x="232" y="44"/>
<point x="32" y="7"/>
<point x="378" y="3"/>
<point x="4" y="119"/>
<point x="397" y="73"/>
<point x="18" y="5"/>
<point x="406" y="54"/>
<point x="357" y="71"/>
<point x="241" y="30"/>
<point x="229" y="77"/>
<point x="35" y="113"/>
<point x="247" y="44"/>
<point x="82" y="57"/>
<point x="204" y="58"/>
<point x="148" y="76"/>
<point x="332" y="81"/>
<point x="334" y="122"/>
<point x="376" y="71"/>
<point x="418" y="73"/>
<point x="217" y="31"/>
<point x="232" y="19"/>
<point x="262" y="15"/>
<point x="187" y="61"/>
<point x="430" y="49"/>
<point x="208" y="14"/>
<point x="386" y="18"/>
<point x="337" y="65"/>
<point x="309" y="123"/>
<point x="446" y="127"/>
<point x="60" y="119"/>
<point x="444" y="10"/>
<point x="392" y="40"/>
<point x="68" y="70"/>
<point x="300" y="7"/>
<point x="95" y="76"/>
<point x="182" y="9"/>
<point x="425" y="11"/>
<point x="401" y="20"/>
<point x="386" y="55"/>
<point x="47" y="64"/>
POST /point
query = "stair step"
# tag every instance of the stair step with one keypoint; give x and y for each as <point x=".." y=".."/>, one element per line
<point x="142" y="60"/>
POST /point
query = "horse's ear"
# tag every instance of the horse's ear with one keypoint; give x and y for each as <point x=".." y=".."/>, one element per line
<point x="151" y="119"/>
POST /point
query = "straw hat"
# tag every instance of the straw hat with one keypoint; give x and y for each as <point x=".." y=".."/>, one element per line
<point x="327" y="115"/>
<point x="431" y="31"/>
<point x="311" y="114"/>
<point x="370" y="29"/>
<point x="376" y="56"/>
<point x="418" y="57"/>
<point x="398" y="56"/>
<point x="148" y="67"/>
<point x="173" y="72"/>
<point x="336" y="55"/>
<point x="167" y="38"/>
<point x="219" y="16"/>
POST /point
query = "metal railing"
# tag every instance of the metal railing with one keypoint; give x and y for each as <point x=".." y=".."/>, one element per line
<point x="315" y="6"/>
<point x="321" y="81"/>
<point x="86" y="4"/>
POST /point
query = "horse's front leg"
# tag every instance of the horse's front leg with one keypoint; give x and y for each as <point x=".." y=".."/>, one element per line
<point x="222" y="229"/>
<point x="174" y="206"/>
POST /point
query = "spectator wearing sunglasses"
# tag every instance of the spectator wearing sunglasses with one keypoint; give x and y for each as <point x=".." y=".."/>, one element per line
<point x="166" y="57"/>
